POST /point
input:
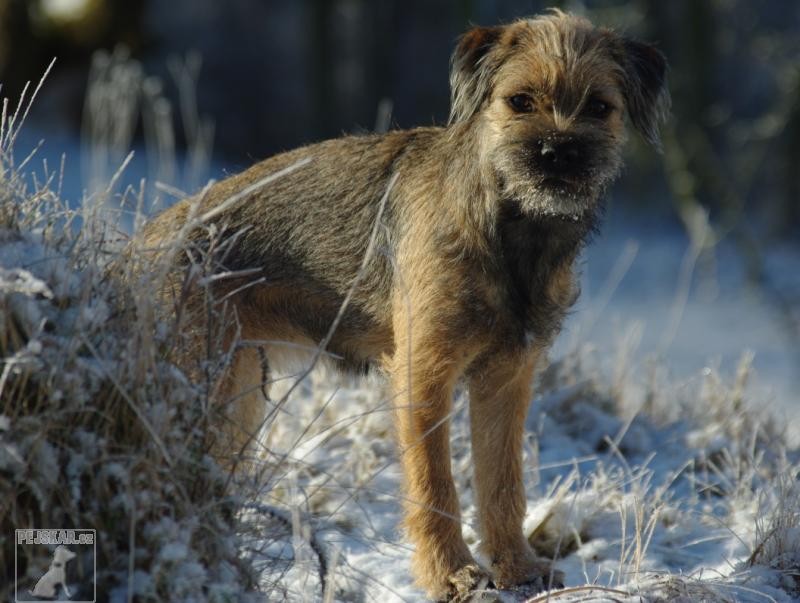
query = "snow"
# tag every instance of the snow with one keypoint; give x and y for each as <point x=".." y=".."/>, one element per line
<point x="629" y="281"/>
<point x="643" y="505"/>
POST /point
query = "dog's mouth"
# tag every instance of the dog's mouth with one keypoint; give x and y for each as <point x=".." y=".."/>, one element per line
<point x="557" y="184"/>
<point x="563" y="196"/>
<point x="560" y="184"/>
<point x="571" y="195"/>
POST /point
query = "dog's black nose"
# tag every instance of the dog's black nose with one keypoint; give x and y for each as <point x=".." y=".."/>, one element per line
<point x="559" y="155"/>
<point x="559" y="152"/>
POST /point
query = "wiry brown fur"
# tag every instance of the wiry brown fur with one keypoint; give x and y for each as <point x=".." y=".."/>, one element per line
<point x="472" y="270"/>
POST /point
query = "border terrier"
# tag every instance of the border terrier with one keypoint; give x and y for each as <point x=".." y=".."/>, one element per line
<point x="440" y="254"/>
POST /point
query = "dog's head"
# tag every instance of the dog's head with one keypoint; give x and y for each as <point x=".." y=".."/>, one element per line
<point x="549" y="96"/>
<point x="62" y="554"/>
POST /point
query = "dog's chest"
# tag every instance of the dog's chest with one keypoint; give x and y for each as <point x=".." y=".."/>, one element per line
<point x="534" y="275"/>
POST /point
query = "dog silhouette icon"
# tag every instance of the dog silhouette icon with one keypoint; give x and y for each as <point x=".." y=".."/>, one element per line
<point x="55" y="576"/>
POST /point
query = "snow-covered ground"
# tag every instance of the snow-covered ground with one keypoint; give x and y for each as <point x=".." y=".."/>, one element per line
<point x="651" y="501"/>
<point x="632" y="292"/>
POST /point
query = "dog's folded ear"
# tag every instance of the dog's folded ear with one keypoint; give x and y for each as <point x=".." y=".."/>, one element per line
<point x="471" y="71"/>
<point x="645" y="87"/>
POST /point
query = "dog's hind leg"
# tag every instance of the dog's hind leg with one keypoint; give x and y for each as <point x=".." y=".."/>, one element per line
<point x="243" y="399"/>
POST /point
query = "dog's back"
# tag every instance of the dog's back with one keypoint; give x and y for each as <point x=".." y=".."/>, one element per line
<point x="307" y="233"/>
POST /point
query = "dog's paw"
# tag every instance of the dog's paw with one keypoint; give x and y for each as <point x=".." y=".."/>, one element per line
<point x="526" y="590"/>
<point x="515" y="594"/>
<point x="467" y="582"/>
<point x="527" y="572"/>
<point x="471" y="584"/>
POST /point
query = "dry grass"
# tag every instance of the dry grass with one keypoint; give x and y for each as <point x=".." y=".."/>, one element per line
<point x="777" y="538"/>
<point x="98" y="427"/>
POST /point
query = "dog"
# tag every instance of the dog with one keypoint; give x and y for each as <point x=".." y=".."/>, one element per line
<point x="440" y="255"/>
<point x="55" y="576"/>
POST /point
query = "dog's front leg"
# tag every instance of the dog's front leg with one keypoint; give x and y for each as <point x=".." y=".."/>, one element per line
<point x="425" y="367"/>
<point x="500" y="389"/>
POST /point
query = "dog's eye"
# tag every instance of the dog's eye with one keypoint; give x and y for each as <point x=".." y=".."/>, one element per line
<point x="598" y="108"/>
<point x="521" y="103"/>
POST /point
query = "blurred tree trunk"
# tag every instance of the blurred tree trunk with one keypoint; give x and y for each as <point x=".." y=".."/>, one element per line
<point x="379" y="34"/>
<point x="351" y="62"/>
<point x="790" y="220"/>
<point x="695" y="85"/>
<point x="687" y="32"/>
<point x="323" y="90"/>
<point x="699" y="58"/>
